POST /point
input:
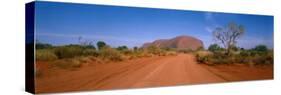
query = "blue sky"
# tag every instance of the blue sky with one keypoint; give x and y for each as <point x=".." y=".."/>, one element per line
<point x="64" y="23"/>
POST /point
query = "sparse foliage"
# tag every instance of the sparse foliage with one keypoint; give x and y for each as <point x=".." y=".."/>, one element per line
<point x="228" y="35"/>
<point x="43" y="45"/>
<point x="122" y="48"/>
<point x="260" y="48"/>
<point x="214" y="48"/>
<point x="101" y="44"/>
<point x="86" y="43"/>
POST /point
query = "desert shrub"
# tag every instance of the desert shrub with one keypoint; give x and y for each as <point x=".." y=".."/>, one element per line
<point x="68" y="51"/>
<point x="154" y="50"/>
<point x="260" y="48"/>
<point x="142" y="53"/>
<point x="255" y="56"/>
<point x="67" y="63"/>
<point x="269" y="58"/>
<point x="101" y="44"/>
<point x="214" y="48"/>
<point x="90" y="52"/>
<point x="111" y="54"/>
<point x="214" y="58"/>
<point x="245" y="53"/>
<point x="127" y="52"/>
<point x="45" y="55"/>
<point x="258" y="55"/>
<point x="202" y="59"/>
<point x="263" y="59"/>
<point x="241" y="58"/>
<point x="122" y="48"/>
<point x="43" y="46"/>
<point x="203" y="56"/>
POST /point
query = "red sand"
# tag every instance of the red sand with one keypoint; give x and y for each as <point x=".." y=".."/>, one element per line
<point x="144" y="72"/>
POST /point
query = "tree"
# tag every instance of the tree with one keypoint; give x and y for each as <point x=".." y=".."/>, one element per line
<point x="214" y="48"/>
<point x="43" y="46"/>
<point x="122" y="48"/>
<point x="228" y="35"/>
<point x="261" y="48"/>
<point x="101" y="44"/>
<point x="135" y="48"/>
<point x="40" y="45"/>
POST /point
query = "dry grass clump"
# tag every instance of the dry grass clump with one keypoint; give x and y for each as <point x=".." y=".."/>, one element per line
<point x="203" y="56"/>
<point x="45" y="55"/>
<point x="111" y="54"/>
<point x="249" y="57"/>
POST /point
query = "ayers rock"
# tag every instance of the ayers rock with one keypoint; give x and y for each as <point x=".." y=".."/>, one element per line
<point x="179" y="42"/>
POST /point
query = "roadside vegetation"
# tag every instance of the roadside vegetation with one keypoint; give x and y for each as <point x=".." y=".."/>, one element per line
<point x="86" y="52"/>
<point x="229" y="53"/>
<point x="257" y="55"/>
<point x="76" y="55"/>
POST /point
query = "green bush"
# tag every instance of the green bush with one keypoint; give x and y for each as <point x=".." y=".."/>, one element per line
<point x="101" y="44"/>
<point x="45" y="55"/>
<point x="122" y="48"/>
<point x="214" y="48"/>
<point x="261" y="48"/>
<point x="43" y="46"/>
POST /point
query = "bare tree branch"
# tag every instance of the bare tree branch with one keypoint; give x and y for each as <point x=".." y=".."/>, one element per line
<point x="228" y="35"/>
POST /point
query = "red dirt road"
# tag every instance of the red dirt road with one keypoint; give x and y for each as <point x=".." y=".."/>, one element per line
<point x="143" y="72"/>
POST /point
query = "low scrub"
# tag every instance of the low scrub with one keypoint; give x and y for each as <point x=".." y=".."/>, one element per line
<point x="111" y="54"/>
<point x="90" y="52"/>
<point x="203" y="56"/>
<point x="155" y="50"/>
<point x="45" y="55"/>
<point x="68" y="51"/>
<point x="244" y="57"/>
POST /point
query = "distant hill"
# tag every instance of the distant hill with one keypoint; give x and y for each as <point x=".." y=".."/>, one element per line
<point x="179" y="42"/>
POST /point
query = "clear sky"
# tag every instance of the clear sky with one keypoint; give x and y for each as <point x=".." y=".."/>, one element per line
<point x="64" y="23"/>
